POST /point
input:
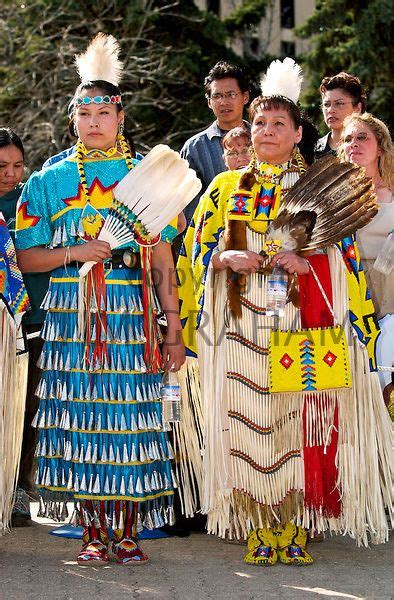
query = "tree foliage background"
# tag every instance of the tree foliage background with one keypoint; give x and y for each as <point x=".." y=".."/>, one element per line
<point x="353" y="36"/>
<point x="168" y="48"/>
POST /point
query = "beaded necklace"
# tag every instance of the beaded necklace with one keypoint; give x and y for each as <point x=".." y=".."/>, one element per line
<point x="81" y="152"/>
<point x="257" y="210"/>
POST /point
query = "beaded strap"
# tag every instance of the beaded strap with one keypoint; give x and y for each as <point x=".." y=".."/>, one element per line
<point x="125" y="150"/>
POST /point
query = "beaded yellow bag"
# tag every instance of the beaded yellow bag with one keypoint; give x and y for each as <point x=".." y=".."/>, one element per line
<point x="310" y="359"/>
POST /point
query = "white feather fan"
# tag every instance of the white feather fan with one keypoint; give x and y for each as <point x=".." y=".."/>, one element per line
<point x="283" y="79"/>
<point x="100" y="61"/>
<point x="153" y="193"/>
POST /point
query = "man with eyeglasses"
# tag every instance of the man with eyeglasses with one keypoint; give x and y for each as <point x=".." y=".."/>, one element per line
<point x="227" y="92"/>
<point x="341" y="95"/>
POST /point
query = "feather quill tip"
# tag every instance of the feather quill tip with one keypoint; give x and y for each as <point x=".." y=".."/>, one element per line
<point x="100" y="61"/>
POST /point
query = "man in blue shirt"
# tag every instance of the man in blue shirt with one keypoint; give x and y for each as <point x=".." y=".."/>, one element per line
<point x="227" y="92"/>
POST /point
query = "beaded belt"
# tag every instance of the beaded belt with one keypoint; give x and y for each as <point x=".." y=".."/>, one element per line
<point x="120" y="259"/>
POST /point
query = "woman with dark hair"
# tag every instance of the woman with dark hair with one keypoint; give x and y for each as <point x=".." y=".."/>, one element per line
<point x="14" y="503"/>
<point x="341" y="95"/>
<point x="277" y="458"/>
<point x="101" y="437"/>
<point x="12" y="157"/>
<point x="68" y="151"/>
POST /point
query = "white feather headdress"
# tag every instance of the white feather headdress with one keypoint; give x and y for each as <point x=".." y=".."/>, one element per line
<point x="283" y="79"/>
<point x="100" y="61"/>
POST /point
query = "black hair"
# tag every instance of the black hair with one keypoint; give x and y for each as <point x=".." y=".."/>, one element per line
<point x="8" y="137"/>
<point x="310" y="135"/>
<point x="108" y="88"/>
<point x="224" y="70"/>
<point x="349" y="84"/>
<point x="276" y="102"/>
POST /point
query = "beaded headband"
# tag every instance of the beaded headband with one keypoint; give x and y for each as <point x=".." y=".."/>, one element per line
<point x="97" y="100"/>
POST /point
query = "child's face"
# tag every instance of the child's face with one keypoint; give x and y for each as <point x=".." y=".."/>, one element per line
<point x="236" y="153"/>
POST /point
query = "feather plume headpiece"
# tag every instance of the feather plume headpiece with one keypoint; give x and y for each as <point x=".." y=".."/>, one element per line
<point x="100" y="61"/>
<point x="329" y="202"/>
<point x="283" y="78"/>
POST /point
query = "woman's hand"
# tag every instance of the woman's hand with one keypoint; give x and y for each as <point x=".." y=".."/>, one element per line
<point x="239" y="261"/>
<point x="96" y="250"/>
<point x="291" y="262"/>
<point x="173" y="350"/>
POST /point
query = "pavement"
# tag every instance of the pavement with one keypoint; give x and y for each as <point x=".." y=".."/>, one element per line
<point x="38" y="566"/>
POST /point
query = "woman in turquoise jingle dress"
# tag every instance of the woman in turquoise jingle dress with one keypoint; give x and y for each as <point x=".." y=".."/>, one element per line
<point x="101" y="439"/>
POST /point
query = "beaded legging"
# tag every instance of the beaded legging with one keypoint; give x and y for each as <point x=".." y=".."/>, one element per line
<point x="97" y="530"/>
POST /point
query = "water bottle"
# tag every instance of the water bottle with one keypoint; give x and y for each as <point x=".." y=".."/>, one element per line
<point x="171" y="398"/>
<point x="276" y="292"/>
<point x="384" y="262"/>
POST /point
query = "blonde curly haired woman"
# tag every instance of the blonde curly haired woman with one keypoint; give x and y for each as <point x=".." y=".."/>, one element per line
<point x="366" y="141"/>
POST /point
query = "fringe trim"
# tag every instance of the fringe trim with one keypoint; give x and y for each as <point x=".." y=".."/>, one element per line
<point x="364" y="443"/>
<point x="13" y="385"/>
<point x="151" y="515"/>
<point x="188" y="438"/>
<point x="365" y="438"/>
<point x="246" y="514"/>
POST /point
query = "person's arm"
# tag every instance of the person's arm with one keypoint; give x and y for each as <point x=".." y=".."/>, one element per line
<point x="41" y="260"/>
<point x="246" y="261"/>
<point x="34" y="231"/>
<point x="167" y="291"/>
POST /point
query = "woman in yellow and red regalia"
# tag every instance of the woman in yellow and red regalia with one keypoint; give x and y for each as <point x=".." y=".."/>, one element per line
<point x="275" y="465"/>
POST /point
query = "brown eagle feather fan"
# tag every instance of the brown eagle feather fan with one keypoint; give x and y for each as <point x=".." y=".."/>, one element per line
<point x="329" y="202"/>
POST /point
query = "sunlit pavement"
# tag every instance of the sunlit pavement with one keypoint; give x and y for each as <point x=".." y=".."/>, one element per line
<point x="35" y="565"/>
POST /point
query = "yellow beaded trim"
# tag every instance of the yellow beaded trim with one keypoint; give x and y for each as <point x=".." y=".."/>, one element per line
<point x="81" y="151"/>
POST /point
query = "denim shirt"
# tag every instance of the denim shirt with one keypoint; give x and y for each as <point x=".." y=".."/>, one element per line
<point x="204" y="154"/>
